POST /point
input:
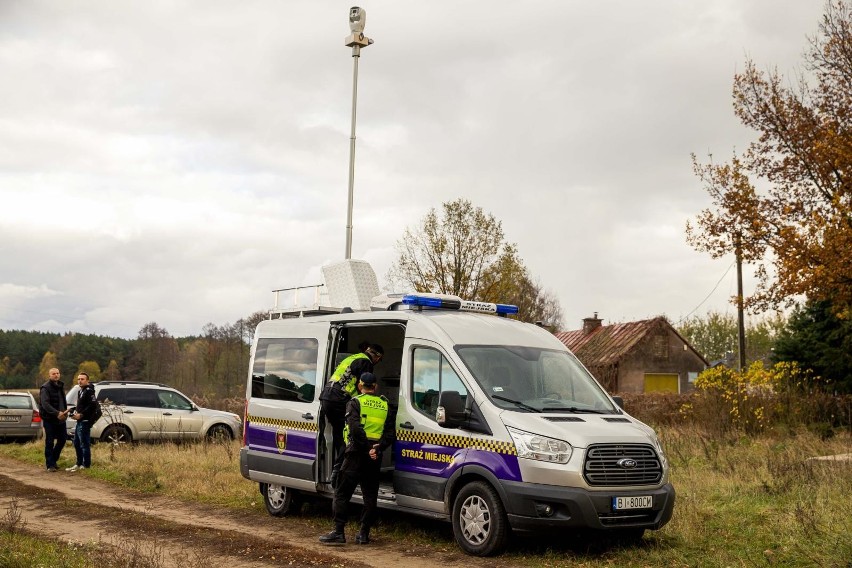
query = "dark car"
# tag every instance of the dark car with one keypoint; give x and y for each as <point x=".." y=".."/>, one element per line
<point x="19" y="416"/>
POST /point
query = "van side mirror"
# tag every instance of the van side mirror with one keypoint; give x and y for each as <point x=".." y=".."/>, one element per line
<point x="450" y="413"/>
<point x="619" y="401"/>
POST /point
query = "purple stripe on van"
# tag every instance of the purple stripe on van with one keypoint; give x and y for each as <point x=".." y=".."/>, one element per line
<point x="443" y="461"/>
<point x="298" y="443"/>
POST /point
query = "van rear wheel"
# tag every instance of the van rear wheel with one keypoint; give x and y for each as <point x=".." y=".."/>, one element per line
<point x="479" y="520"/>
<point x="279" y="500"/>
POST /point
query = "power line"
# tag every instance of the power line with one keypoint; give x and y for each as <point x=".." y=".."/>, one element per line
<point x="708" y="295"/>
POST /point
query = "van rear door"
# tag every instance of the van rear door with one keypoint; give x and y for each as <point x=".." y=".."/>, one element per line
<point x="288" y="363"/>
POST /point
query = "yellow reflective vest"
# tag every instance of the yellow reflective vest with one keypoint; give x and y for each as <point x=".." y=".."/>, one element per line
<point x="374" y="412"/>
<point x="346" y="380"/>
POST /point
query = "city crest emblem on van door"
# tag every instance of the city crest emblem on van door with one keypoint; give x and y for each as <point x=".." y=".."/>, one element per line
<point x="281" y="440"/>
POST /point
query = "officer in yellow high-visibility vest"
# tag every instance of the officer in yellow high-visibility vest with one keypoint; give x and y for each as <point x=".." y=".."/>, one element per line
<point x="369" y="431"/>
<point x="341" y="387"/>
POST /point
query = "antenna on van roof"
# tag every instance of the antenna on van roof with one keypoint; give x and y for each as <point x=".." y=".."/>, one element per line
<point x="349" y="285"/>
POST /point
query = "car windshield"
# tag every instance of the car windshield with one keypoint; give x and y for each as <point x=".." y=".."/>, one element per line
<point x="15" y="401"/>
<point x="530" y="379"/>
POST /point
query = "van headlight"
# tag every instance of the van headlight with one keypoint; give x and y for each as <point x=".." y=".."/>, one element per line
<point x="659" y="447"/>
<point x="542" y="448"/>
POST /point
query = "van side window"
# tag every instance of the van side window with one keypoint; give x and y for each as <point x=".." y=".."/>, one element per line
<point x="432" y="374"/>
<point x="285" y="369"/>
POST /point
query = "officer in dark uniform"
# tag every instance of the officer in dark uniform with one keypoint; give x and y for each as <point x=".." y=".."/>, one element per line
<point x="340" y="389"/>
<point x="369" y="431"/>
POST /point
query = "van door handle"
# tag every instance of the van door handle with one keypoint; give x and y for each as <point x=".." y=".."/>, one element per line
<point x="167" y="413"/>
<point x="308" y="416"/>
<point x="128" y="411"/>
<point x="406" y="425"/>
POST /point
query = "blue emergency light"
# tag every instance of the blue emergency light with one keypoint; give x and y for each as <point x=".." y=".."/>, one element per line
<point x="448" y="302"/>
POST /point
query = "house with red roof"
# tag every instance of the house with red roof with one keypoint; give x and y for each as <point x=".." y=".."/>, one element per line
<point x="636" y="357"/>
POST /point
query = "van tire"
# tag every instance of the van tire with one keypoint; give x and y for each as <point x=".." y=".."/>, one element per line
<point x="480" y="526"/>
<point x="280" y="501"/>
<point x="116" y="434"/>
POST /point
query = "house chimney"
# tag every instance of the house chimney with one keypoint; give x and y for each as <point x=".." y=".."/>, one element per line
<point x="591" y="324"/>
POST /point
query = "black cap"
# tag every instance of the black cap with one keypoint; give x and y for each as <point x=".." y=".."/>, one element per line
<point x="368" y="378"/>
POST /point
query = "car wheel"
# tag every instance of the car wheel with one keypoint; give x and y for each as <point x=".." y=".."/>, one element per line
<point x="479" y="520"/>
<point x="280" y="501"/>
<point x="219" y="432"/>
<point x="116" y="434"/>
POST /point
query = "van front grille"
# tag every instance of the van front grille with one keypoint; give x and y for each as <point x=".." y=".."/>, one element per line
<point x="622" y="464"/>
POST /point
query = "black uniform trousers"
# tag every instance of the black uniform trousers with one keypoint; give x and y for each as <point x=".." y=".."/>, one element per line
<point x="357" y="469"/>
<point x="334" y="413"/>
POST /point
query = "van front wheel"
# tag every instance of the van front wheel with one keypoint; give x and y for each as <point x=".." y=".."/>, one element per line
<point x="479" y="520"/>
<point x="280" y="501"/>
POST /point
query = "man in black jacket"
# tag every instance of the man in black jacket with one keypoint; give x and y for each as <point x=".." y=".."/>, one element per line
<point x="341" y="387"/>
<point x="54" y="412"/>
<point x="369" y="431"/>
<point x="84" y="414"/>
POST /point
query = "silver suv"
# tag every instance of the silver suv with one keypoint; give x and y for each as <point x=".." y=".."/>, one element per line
<point x="153" y="411"/>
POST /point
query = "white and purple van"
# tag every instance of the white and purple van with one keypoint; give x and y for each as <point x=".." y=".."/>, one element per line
<point x="499" y="427"/>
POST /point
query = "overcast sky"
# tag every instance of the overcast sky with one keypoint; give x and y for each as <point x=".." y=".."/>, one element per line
<point x="176" y="161"/>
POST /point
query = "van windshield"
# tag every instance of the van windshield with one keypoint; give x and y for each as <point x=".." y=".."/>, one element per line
<point x="530" y="379"/>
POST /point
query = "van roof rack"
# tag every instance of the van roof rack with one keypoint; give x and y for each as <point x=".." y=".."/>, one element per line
<point x="300" y="311"/>
<point x="130" y="383"/>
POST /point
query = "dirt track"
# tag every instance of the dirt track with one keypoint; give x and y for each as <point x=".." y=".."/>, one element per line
<point x="188" y="534"/>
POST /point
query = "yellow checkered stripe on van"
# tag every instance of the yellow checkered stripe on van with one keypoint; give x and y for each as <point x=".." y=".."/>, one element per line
<point x="456" y="441"/>
<point x="277" y="423"/>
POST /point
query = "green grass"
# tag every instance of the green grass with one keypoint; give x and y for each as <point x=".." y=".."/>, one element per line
<point x="19" y="550"/>
<point x="740" y="501"/>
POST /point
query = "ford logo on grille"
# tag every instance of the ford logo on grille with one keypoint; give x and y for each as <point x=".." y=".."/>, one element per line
<point x="626" y="463"/>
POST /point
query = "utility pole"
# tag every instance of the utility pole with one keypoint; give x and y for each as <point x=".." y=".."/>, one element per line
<point x="356" y="40"/>
<point x="740" y="320"/>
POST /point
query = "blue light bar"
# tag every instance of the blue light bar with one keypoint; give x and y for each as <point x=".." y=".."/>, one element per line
<point x="448" y="302"/>
<point x="433" y="301"/>
<point x="503" y="309"/>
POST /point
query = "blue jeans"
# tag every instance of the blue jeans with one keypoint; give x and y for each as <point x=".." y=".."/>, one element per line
<point x="83" y="443"/>
<point x="54" y="440"/>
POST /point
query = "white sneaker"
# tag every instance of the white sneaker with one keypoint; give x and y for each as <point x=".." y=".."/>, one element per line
<point x="74" y="468"/>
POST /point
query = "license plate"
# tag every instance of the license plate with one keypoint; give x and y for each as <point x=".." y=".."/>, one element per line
<point x="624" y="503"/>
<point x="9" y="418"/>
